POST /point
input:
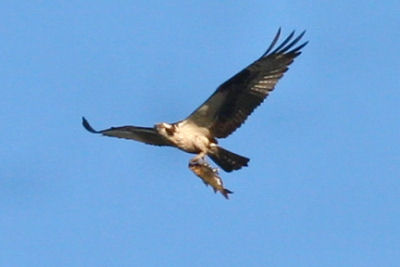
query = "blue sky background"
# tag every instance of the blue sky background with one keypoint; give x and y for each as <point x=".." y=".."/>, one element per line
<point x="323" y="184"/>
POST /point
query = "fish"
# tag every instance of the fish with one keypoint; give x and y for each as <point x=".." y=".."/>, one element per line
<point x="209" y="176"/>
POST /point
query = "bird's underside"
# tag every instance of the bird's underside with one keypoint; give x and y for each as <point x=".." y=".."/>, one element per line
<point x="220" y="115"/>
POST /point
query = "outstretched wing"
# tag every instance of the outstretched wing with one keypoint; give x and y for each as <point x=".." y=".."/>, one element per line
<point x="230" y="105"/>
<point x="141" y="134"/>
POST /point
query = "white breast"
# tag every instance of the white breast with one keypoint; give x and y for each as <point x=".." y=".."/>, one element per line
<point x="191" y="138"/>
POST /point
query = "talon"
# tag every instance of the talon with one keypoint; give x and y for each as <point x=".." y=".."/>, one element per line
<point x="198" y="159"/>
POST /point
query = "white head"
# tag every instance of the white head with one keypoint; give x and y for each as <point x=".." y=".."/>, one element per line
<point x="165" y="129"/>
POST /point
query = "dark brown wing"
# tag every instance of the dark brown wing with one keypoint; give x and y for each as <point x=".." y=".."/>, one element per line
<point x="236" y="99"/>
<point x="141" y="134"/>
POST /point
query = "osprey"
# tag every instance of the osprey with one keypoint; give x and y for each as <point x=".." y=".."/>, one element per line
<point x="222" y="113"/>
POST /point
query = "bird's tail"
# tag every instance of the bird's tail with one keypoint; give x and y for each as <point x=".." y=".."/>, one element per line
<point x="227" y="160"/>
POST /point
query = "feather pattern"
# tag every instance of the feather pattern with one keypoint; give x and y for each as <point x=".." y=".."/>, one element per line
<point x="233" y="101"/>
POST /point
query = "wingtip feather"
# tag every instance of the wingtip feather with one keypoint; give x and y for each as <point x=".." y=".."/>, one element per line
<point x="286" y="45"/>
<point x="87" y="126"/>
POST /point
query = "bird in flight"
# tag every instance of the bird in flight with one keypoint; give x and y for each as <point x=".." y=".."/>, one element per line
<point x="222" y="113"/>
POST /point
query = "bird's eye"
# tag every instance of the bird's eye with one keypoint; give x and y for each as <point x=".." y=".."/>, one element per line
<point x="170" y="131"/>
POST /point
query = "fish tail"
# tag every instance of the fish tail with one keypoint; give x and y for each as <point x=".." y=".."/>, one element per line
<point x="225" y="193"/>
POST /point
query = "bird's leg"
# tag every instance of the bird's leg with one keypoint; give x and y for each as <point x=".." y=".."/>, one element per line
<point x="199" y="158"/>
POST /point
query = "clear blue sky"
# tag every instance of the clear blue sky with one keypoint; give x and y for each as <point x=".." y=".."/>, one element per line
<point x="323" y="184"/>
